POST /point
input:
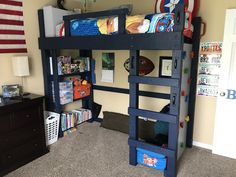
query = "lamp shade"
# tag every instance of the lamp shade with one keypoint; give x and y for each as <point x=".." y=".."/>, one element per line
<point x="20" y="65"/>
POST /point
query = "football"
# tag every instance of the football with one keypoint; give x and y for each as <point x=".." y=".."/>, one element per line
<point x="146" y="66"/>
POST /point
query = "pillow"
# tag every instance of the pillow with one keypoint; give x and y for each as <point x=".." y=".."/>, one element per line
<point x="168" y="6"/>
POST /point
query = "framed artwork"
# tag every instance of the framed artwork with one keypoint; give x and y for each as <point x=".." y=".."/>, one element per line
<point x="165" y="66"/>
<point x="9" y="91"/>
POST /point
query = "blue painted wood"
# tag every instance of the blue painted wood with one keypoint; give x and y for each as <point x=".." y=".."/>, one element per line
<point x="174" y="110"/>
<point x="148" y="41"/>
<point x="194" y="71"/>
<point x="56" y="82"/>
<point x="87" y="103"/>
<point x="67" y="28"/>
<point x="177" y="62"/>
<point x="126" y="91"/>
<point x="154" y="81"/>
<point x="150" y="147"/>
<point x="153" y="115"/>
<point x="171" y="170"/>
<point x="41" y="23"/>
<point x="134" y="103"/>
<point x="46" y="67"/>
<point x="179" y="18"/>
<point x="121" y="23"/>
<point x="174" y="102"/>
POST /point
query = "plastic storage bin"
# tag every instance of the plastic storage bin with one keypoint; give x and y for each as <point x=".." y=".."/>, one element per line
<point x="151" y="159"/>
<point x="51" y="126"/>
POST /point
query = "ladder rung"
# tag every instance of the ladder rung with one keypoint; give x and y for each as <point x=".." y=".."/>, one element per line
<point x="154" y="115"/>
<point x="152" y="148"/>
<point x="154" y="81"/>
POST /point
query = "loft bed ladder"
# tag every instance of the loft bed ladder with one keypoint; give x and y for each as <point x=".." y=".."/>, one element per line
<point x="134" y="43"/>
<point x="172" y="118"/>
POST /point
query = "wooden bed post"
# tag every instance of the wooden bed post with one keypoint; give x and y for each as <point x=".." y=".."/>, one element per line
<point x="87" y="103"/>
<point x="174" y="110"/>
<point x="134" y="103"/>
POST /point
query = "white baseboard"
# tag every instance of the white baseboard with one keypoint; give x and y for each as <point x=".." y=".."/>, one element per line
<point x="202" y="145"/>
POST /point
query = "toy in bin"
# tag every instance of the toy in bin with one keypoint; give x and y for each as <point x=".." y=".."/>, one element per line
<point x="151" y="159"/>
<point x="81" y="88"/>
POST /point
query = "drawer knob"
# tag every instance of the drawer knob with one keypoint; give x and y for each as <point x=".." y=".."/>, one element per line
<point x="34" y="130"/>
<point x="27" y="116"/>
<point x="9" y="156"/>
<point x="36" y="145"/>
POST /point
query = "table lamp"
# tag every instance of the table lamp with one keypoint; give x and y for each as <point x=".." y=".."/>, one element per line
<point x="20" y="66"/>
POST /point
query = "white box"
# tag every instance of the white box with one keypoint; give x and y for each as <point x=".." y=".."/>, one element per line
<point x="52" y="17"/>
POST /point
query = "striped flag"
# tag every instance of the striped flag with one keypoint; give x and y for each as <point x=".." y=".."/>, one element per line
<point x="12" y="35"/>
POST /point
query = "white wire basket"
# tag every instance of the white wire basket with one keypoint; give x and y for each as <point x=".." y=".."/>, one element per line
<point x="51" y="127"/>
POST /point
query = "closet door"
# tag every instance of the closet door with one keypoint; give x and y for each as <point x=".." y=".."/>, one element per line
<point x="225" y="122"/>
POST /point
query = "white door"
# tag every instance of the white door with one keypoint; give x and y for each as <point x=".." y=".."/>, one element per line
<point x="225" y="121"/>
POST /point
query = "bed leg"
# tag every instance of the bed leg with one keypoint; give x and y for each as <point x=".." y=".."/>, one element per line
<point x="171" y="168"/>
<point x="132" y="156"/>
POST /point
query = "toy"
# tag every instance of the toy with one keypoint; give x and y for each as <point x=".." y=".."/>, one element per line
<point x="81" y="88"/>
<point x="146" y="66"/>
<point x="168" y="6"/>
<point x="187" y="119"/>
<point x="181" y="124"/>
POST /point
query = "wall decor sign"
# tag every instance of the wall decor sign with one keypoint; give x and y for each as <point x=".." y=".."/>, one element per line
<point x="12" y="38"/>
<point x="165" y="66"/>
<point x="209" y="68"/>
<point x="108" y="66"/>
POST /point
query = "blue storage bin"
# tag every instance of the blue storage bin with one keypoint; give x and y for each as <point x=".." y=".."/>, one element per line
<point x="151" y="159"/>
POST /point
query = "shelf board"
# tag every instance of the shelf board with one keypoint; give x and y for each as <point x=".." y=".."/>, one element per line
<point x="74" y="74"/>
<point x="82" y="98"/>
<point x="61" y="77"/>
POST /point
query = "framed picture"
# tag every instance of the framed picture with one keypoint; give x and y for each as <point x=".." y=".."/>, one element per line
<point x="9" y="91"/>
<point x="165" y="66"/>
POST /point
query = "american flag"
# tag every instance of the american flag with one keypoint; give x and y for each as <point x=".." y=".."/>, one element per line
<point x="12" y="35"/>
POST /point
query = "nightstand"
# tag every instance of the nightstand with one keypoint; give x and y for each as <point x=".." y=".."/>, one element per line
<point x="22" y="135"/>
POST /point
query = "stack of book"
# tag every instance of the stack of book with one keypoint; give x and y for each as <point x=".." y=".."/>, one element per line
<point x="71" y="119"/>
<point x="66" y="92"/>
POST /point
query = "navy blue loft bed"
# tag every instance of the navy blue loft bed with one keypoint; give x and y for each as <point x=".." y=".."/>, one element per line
<point x="174" y="41"/>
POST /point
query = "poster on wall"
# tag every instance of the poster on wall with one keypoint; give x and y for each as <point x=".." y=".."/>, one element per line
<point x="209" y="68"/>
<point x="108" y="65"/>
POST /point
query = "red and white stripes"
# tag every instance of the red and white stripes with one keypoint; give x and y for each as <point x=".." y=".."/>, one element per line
<point x="12" y="36"/>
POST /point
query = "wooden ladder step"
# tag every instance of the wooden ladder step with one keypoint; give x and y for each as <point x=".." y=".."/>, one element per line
<point x="153" y="148"/>
<point x="153" y="115"/>
<point x="154" y="81"/>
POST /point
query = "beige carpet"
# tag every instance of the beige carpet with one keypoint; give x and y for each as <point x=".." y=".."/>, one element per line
<point x="98" y="152"/>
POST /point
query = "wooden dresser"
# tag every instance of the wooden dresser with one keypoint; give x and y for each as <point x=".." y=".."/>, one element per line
<point x="22" y="135"/>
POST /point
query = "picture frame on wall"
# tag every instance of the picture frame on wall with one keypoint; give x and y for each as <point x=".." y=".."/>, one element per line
<point x="165" y="67"/>
<point x="9" y="91"/>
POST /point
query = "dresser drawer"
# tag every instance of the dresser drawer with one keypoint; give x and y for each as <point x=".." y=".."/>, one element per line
<point x="21" y="153"/>
<point x="19" y="137"/>
<point x="25" y="116"/>
<point x="5" y="123"/>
